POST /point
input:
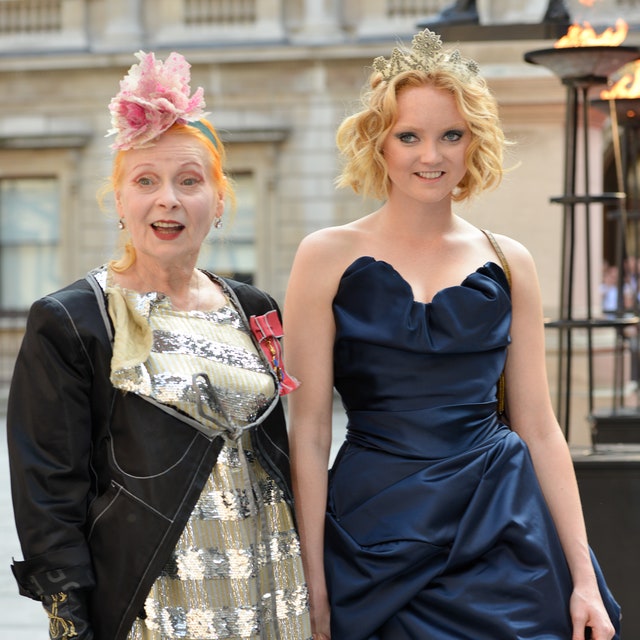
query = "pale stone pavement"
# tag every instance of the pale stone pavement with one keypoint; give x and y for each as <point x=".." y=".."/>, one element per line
<point x="20" y="617"/>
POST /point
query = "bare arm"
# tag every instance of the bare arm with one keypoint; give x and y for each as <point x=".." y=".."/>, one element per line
<point x="531" y="416"/>
<point x="309" y="335"/>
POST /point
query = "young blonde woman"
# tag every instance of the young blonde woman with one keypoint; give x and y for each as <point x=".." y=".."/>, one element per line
<point x="437" y="519"/>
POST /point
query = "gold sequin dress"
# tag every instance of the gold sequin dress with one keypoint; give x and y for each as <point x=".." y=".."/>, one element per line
<point x="236" y="571"/>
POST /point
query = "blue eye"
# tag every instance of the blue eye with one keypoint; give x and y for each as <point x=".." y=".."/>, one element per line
<point x="453" y="136"/>
<point x="407" y="137"/>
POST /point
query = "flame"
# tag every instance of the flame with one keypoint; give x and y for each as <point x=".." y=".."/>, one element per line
<point x="586" y="36"/>
<point x="588" y="3"/>
<point x="628" y="86"/>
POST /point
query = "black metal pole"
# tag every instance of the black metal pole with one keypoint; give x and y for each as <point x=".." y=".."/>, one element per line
<point x="587" y="222"/>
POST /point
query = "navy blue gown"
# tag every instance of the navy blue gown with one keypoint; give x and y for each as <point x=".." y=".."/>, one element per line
<point x="436" y="526"/>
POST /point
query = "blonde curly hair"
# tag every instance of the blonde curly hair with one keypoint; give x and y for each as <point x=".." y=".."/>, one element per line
<point x="360" y="136"/>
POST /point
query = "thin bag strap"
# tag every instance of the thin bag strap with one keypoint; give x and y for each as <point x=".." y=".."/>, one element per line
<point x="501" y="256"/>
<point x="501" y="393"/>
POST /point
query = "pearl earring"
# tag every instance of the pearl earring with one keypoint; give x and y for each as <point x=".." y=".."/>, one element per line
<point x="218" y="222"/>
<point x="121" y="224"/>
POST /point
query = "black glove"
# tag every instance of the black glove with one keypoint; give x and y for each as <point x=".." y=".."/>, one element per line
<point x="68" y="616"/>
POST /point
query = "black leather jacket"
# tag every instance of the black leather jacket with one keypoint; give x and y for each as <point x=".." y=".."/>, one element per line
<point x="104" y="482"/>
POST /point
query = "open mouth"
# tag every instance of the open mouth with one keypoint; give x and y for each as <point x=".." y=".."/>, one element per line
<point x="167" y="227"/>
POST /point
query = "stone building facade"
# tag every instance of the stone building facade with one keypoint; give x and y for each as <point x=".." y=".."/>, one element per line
<point x="278" y="76"/>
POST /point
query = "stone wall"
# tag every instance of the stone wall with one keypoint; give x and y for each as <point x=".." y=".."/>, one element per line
<point x="276" y="86"/>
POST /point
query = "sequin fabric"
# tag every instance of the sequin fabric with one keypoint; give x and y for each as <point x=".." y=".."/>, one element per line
<point x="236" y="571"/>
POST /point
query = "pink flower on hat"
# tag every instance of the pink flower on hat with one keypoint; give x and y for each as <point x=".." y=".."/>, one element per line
<point x="153" y="96"/>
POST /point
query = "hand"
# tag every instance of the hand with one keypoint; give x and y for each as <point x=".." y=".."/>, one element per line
<point x="589" y="616"/>
<point x="320" y="621"/>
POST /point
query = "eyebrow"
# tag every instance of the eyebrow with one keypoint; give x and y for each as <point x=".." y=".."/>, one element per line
<point x="184" y="165"/>
<point x="400" y="127"/>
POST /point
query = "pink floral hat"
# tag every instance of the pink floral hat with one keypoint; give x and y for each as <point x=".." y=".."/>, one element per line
<point x="153" y="96"/>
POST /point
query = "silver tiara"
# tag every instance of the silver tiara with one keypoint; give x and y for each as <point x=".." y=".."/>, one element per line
<point x="425" y="55"/>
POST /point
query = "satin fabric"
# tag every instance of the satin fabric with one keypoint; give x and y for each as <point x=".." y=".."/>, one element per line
<point x="436" y="526"/>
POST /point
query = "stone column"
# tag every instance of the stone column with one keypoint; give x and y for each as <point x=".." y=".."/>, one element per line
<point x="321" y="21"/>
<point x="123" y="28"/>
<point x="270" y="18"/>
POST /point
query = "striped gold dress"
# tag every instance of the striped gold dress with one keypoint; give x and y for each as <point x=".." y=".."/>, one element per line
<point x="236" y="571"/>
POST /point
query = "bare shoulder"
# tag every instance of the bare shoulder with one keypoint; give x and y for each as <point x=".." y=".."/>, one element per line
<point x="328" y="239"/>
<point x="320" y="261"/>
<point x="517" y="255"/>
<point x="331" y="249"/>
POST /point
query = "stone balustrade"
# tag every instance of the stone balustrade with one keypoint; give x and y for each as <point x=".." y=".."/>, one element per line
<point x="103" y="25"/>
<point x="117" y="25"/>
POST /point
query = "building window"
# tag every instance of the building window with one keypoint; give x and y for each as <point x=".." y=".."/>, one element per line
<point x="231" y="251"/>
<point x="29" y="240"/>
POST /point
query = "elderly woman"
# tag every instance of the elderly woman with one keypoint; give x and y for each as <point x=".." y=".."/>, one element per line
<point x="147" y="440"/>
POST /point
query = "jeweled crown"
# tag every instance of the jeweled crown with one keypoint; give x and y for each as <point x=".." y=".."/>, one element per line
<point x="426" y="54"/>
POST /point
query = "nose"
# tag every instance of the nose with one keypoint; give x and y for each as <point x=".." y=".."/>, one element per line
<point x="167" y="196"/>
<point x="430" y="151"/>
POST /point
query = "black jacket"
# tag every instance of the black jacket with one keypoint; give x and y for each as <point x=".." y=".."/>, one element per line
<point x="104" y="482"/>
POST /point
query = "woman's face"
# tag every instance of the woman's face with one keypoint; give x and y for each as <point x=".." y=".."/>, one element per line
<point x="168" y="200"/>
<point x="425" y="149"/>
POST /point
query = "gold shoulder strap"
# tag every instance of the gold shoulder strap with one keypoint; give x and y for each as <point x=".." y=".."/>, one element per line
<point x="498" y="250"/>
<point x="507" y="272"/>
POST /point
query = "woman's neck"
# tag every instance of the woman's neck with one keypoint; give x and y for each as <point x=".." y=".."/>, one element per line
<point x="182" y="286"/>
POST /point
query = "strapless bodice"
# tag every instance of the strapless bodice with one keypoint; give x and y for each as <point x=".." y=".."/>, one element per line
<point x="434" y="365"/>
